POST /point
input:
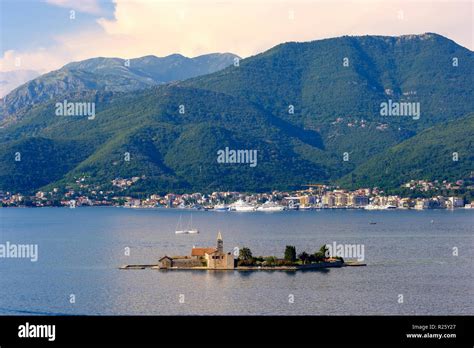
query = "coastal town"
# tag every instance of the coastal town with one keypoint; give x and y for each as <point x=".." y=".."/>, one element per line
<point x="417" y="195"/>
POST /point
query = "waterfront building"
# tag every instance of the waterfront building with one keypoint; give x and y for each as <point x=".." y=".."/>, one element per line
<point x="200" y="253"/>
<point x="421" y="204"/>
<point x="329" y="200"/>
<point x="442" y="202"/>
<point x="178" y="262"/>
<point x="393" y="200"/>
<point x="360" y="201"/>
<point x="405" y="203"/>
<point x="218" y="258"/>
<point x="341" y="199"/>
<point x="212" y="258"/>
<point x="357" y="200"/>
<point x="306" y="200"/>
<point x="292" y="202"/>
<point x="456" y="202"/>
<point x="165" y="262"/>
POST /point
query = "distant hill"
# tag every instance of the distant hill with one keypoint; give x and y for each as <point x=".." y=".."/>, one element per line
<point x="311" y="76"/>
<point x="175" y="151"/>
<point x="108" y="75"/>
<point x="429" y="155"/>
<point x="336" y="127"/>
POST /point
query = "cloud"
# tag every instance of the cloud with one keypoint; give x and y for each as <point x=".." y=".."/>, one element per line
<point x="194" y="27"/>
<point x="41" y="60"/>
<point x="86" y="6"/>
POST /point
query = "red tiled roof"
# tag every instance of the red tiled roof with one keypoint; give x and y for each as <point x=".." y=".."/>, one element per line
<point x="201" y="251"/>
<point x="215" y="251"/>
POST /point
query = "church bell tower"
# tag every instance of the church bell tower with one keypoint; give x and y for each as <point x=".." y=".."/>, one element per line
<point x="220" y="243"/>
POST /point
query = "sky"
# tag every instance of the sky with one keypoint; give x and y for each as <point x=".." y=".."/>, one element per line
<point x="44" y="35"/>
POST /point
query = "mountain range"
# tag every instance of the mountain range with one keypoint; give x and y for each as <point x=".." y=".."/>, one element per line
<point x="108" y="75"/>
<point x="311" y="110"/>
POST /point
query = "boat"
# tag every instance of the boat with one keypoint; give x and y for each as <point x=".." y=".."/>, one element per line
<point x="189" y="230"/>
<point x="221" y="207"/>
<point x="372" y="207"/>
<point x="270" y="206"/>
<point x="242" y="206"/>
<point x="293" y="206"/>
<point x="305" y="207"/>
<point x="380" y="207"/>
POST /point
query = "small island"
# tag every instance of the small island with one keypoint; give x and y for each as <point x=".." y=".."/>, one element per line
<point x="215" y="258"/>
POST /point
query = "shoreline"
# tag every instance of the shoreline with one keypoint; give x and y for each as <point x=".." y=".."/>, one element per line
<point x="321" y="265"/>
<point x="239" y="212"/>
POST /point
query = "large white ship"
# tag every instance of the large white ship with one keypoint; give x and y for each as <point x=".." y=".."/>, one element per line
<point x="270" y="206"/>
<point x="241" y="206"/>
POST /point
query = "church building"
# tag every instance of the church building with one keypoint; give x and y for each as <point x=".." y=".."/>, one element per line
<point x="215" y="258"/>
<point x="211" y="258"/>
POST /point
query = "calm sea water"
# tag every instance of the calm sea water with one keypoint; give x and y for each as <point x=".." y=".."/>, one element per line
<point x="407" y="252"/>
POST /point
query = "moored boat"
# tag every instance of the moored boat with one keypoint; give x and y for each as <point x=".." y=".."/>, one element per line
<point x="221" y="207"/>
<point x="270" y="206"/>
<point x="242" y="206"/>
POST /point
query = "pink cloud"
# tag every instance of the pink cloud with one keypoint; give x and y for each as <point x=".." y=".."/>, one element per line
<point x="142" y="27"/>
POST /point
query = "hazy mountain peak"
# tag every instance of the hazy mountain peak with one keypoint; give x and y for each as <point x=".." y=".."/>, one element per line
<point x="109" y="74"/>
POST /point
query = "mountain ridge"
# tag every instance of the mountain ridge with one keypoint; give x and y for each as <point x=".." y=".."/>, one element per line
<point x="109" y="75"/>
<point x="336" y="125"/>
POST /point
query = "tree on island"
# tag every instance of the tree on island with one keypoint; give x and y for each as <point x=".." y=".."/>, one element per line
<point x="304" y="257"/>
<point x="270" y="261"/>
<point x="245" y="257"/>
<point x="324" y="250"/>
<point x="290" y="253"/>
<point x="245" y="254"/>
<point x="321" y="254"/>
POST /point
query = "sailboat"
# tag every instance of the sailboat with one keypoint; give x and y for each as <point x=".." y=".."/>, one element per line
<point x="188" y="230"/>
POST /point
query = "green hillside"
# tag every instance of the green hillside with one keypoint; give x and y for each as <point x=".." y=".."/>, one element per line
<point x="178" y="150"/>
<point x="311" y="77"/>
<point x="428" y="155"/>
<point x="336" y="116"/>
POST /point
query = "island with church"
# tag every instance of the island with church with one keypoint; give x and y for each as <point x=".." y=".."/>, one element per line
<point x="215" y="258"/>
